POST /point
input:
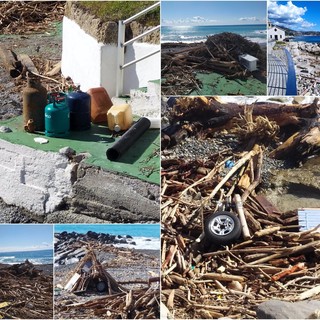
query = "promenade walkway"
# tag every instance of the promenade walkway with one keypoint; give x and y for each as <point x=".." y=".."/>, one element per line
<point x="277" y="76"/>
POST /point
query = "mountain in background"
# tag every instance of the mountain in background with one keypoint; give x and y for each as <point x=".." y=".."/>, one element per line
<point x="294" y="33"/>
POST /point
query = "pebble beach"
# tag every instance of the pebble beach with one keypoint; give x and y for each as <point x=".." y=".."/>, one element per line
<point x="306" y="57"/>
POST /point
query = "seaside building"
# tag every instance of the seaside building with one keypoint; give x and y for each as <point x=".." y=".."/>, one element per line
<point x="275" y="33"/>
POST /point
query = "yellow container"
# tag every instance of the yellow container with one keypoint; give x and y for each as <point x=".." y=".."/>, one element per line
<point x="119" y="117"/>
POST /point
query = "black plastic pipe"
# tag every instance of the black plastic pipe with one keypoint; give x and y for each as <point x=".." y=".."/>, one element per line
<point x="128" y="139"/>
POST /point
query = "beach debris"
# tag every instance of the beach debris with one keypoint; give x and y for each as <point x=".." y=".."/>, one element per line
<point x="273" y="258"/>
<point x="27" y="292"/>
<point x="41" y="140"/>
<point x="22" y="17"/>
<point x="5" y="129"/>
<point x="220" y="53"/>
<point x="122" y="299"/>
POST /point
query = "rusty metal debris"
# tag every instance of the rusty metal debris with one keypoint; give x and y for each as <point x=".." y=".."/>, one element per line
<point x="26" y="291"/>
<point x="273" y="259"/>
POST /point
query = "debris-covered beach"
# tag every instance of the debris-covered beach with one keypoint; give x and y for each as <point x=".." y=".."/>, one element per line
<point x="221" y="159"/>
<point x="112" y="279"/>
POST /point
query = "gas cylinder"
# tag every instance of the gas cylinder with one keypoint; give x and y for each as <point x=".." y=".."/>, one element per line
<point x="79" y="106"/>
<point x="120" y="117"/>
<point x="34" y="103"/>
<point x="100" y="104"/>
<point x="57" y="118"/>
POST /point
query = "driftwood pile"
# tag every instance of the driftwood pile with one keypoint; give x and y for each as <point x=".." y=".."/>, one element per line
<point x="136" y="304"/>
<point x="23" y="17"/>
<point x="272" y="260"/>
<point x="220" y="54"/>
<point x="25" y="293"/>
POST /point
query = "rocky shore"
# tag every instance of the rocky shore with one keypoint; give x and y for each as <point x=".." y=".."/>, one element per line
<point x="306" y="57"/>
<point x="70" y="246"/>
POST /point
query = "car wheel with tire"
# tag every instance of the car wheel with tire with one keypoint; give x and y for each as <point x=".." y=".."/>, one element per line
<point x="222" y="227"/>
<point x="101" y="286"/>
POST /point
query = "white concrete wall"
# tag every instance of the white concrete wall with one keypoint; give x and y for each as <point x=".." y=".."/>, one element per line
<point x="33" y="179"/>
<point x="81" y="56"/>
<point x="93" y="64"/>
<point x="138" y="75"/>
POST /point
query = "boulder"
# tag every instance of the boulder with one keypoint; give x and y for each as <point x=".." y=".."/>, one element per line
<point x="276" y="309"/>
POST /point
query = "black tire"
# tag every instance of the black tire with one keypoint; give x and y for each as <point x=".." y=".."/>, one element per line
<point x="222" y="227"/>
<point x="101" y="286"/>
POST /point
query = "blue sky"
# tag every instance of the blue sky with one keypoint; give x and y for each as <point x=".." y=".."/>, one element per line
<point x="25" y="237"/>
<point x="187" y="13"/>
<point x="295" y="15"/>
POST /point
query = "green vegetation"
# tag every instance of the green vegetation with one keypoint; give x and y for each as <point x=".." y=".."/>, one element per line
<point x="279" y="45"/>
<point x="121" y="10"/>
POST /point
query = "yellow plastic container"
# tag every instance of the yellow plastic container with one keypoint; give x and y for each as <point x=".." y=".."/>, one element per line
<point x="119" y="117"/>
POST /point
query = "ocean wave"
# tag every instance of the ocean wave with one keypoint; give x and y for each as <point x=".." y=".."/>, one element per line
<point x="264" y="32"/>
<point x="172" y="41"/>
<point x="257" y="40"/>
<point x="14" y="260"/>
<point x="141" y="243"/>
<point x="6" y="258"/>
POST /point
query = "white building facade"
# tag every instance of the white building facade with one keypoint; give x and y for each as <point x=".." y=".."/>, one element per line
<point x="275" y="33"/>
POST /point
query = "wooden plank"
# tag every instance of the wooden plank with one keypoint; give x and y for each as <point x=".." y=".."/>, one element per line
<point x="28" y="63"/>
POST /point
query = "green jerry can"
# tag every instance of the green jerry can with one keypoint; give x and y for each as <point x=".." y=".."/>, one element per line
<point x="57" y="117"/>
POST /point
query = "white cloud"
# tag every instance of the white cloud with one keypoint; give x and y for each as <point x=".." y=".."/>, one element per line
<point x="43" y="246"/>
<point x="249" y="19"/>
<point x="197" y="20"/>
<point x="288" y="15"/>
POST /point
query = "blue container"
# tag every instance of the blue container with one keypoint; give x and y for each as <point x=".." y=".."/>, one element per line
<point x="79" y="104"/>
<point x="57" y="119"/>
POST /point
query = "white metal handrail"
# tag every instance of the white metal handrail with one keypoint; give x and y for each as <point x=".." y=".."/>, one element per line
<point x="122" y="44"/>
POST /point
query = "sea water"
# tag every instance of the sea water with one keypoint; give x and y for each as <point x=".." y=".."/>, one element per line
<point x="35" y="257"/>
<point x="190" y="34"/>
<point x="309" y="39"/>
<point x="146" y="236"/>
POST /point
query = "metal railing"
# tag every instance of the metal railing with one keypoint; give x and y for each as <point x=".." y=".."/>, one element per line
<point x="122" y="44"/>
<point x="291" y="80"/>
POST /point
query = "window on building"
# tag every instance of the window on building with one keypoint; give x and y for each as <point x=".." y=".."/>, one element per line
<point x="275" y="29"/>
<point x="280" y="36"/>
<point x="271" y="36"/>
